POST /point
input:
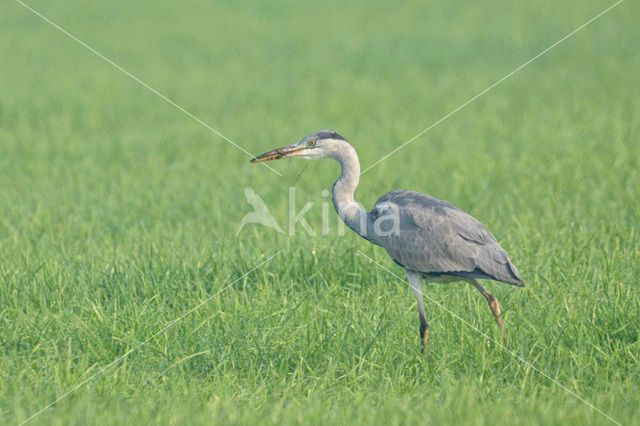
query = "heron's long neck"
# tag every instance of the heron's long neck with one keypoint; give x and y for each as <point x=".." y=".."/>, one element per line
<point x="343" y="189"/>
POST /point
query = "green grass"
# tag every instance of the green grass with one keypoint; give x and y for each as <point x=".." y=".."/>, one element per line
<point x="119" y="212"/>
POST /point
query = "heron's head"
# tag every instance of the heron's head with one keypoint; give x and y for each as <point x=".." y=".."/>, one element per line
<point x="321" y="144"/>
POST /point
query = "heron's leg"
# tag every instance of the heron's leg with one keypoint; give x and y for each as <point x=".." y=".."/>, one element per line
<point x="495" y="307"/>
<point x="415" y="280"/>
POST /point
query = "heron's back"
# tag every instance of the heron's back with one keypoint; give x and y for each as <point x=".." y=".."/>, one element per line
<point x="437" y="239"/>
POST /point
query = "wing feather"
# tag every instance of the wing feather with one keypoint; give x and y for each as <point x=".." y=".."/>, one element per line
<point x="436" y="237"/>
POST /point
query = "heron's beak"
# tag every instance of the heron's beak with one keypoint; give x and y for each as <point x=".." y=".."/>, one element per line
<point x="284" y="152"/>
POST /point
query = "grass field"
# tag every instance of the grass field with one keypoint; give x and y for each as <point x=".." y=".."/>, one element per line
<point x="120" y="213"/>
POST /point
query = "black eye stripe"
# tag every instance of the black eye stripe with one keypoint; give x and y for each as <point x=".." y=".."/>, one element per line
<point x="327" y="134"/>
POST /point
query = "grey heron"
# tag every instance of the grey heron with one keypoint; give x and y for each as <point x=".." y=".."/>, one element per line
<point x="428" y="237"/>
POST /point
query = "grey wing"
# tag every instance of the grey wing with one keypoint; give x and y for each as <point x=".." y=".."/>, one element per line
<point x="435" y="237"/>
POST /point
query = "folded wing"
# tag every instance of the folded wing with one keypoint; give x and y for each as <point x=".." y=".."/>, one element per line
<point x="435" y="237"/>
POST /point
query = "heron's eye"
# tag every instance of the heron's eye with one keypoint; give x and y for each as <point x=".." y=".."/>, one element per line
<point x="312" y="142"/>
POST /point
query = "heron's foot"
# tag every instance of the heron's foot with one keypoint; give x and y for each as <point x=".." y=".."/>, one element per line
<point x="504" y="332"/>
<point x="495" y="307"/>
<point x="425" y="337"/>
